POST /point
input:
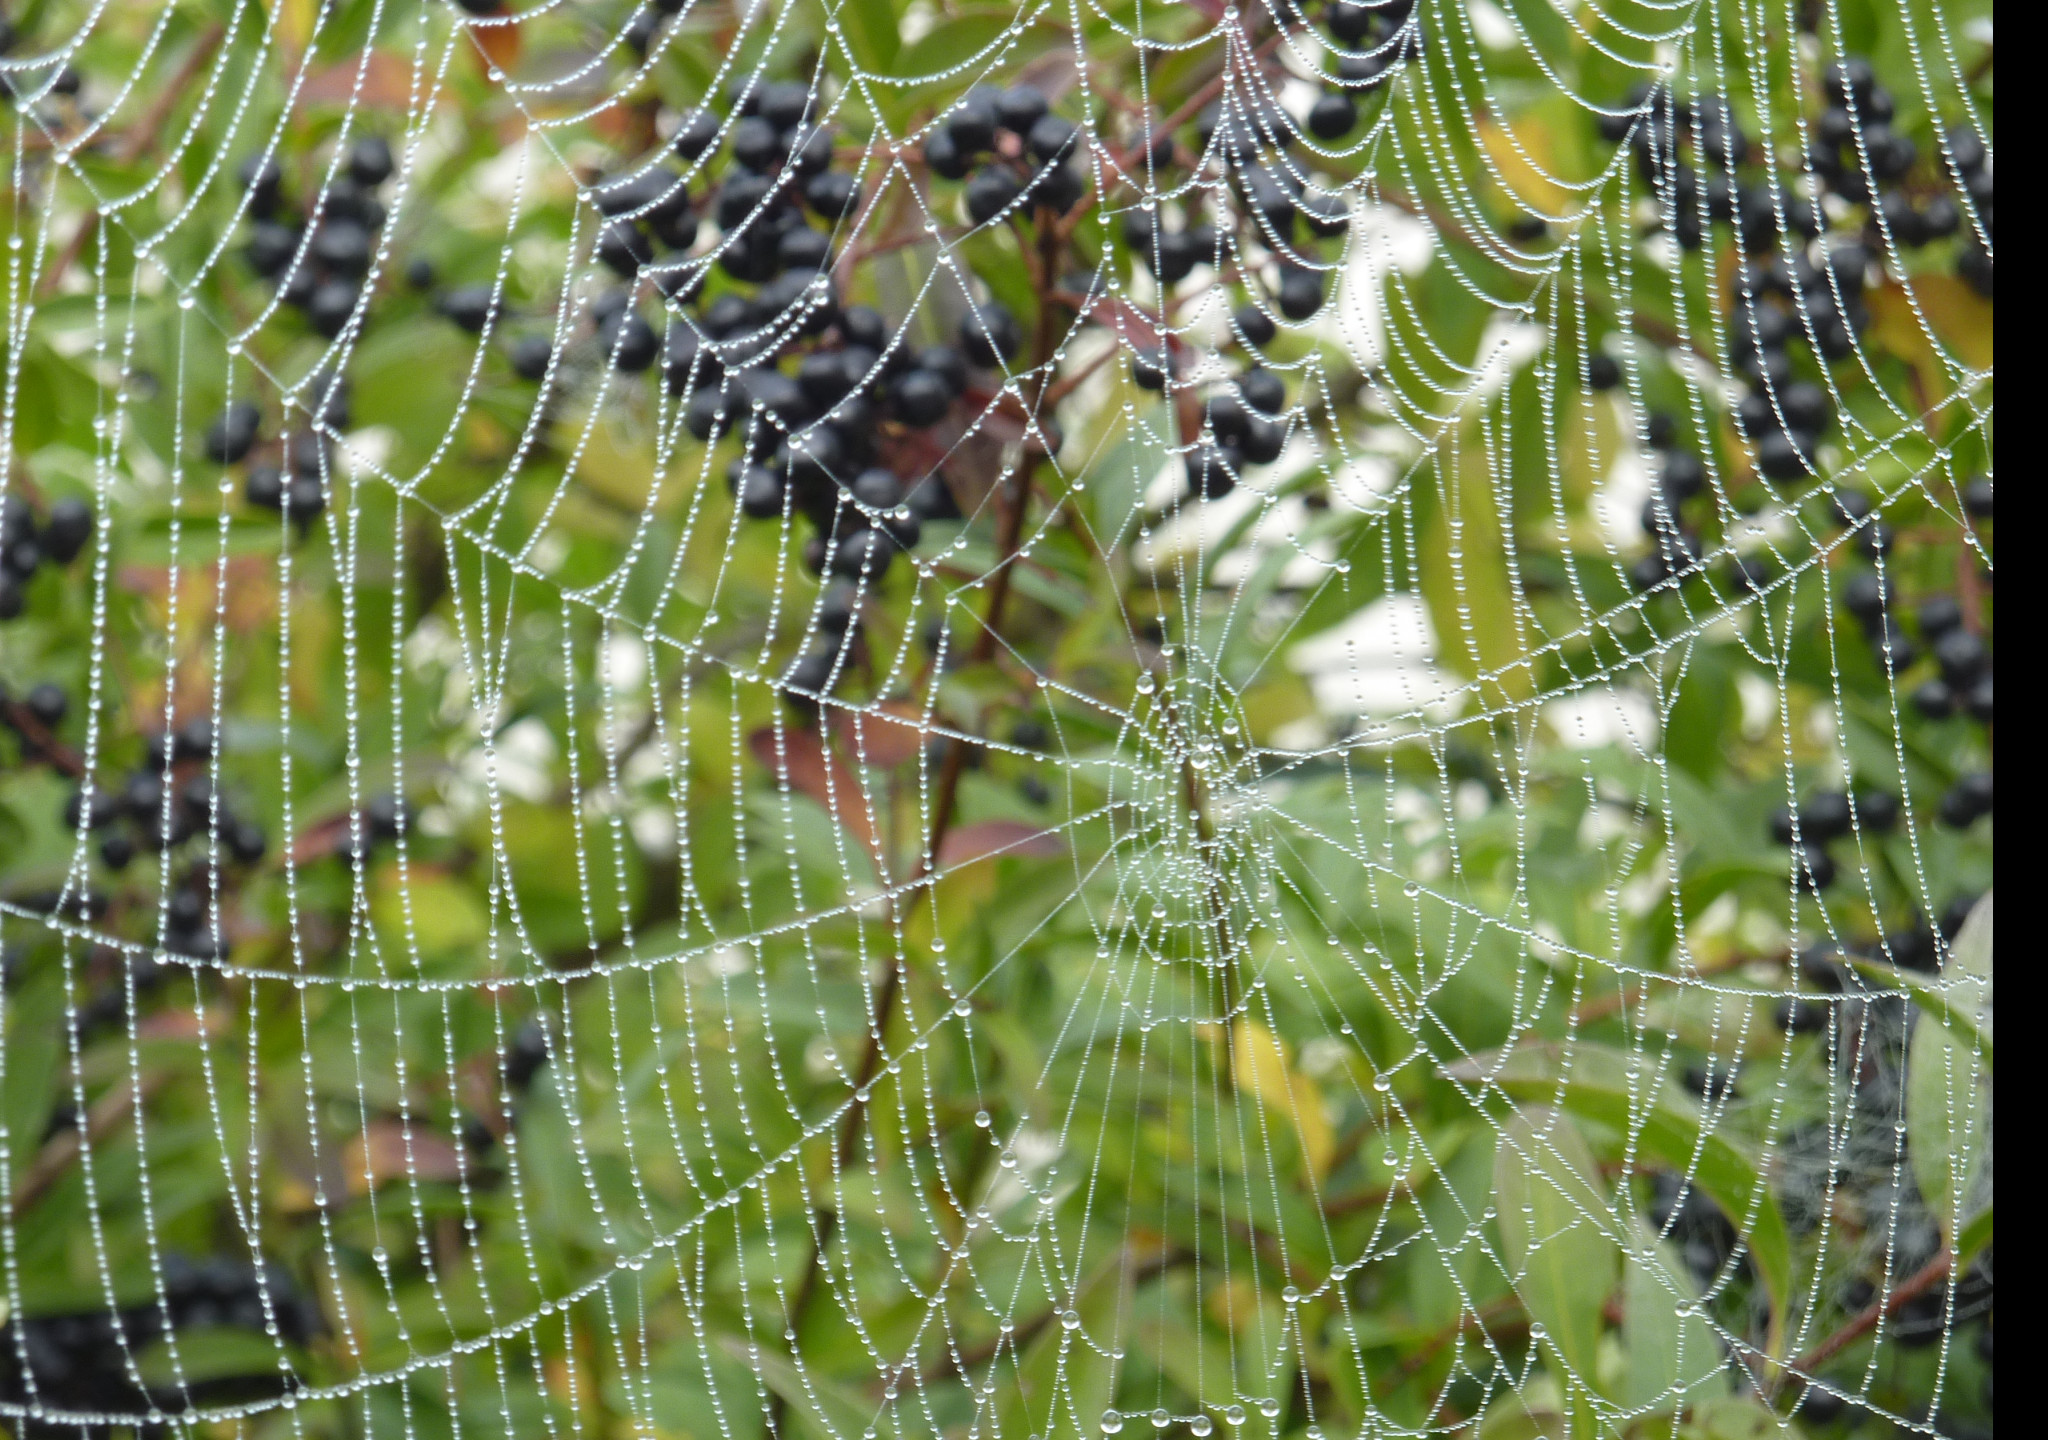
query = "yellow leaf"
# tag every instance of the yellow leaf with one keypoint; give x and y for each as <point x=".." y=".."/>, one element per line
<point x="1895" y="327"/>
<point x="294" y="23"/>
<point x="1523" y="160"/>
<point x="1465" y="582"/>
<point x="1262" y="1071"/>
<point x="1960" y="317"/>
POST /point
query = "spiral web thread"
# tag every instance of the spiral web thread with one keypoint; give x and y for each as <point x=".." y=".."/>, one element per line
<point x="1266" y="935"/>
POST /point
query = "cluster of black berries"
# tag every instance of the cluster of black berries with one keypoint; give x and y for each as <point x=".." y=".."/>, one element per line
<point x="1819" y="304"/>
<point x="25" y="543"/>
<point x="145" y="812"/>
<point x="1825" y="816"/>
<point x="1826" y="967"/>
<point x="1674" y="141"/>
<point x="1681" y="476"/>
<point x="1239" y="428"/>
<point x="1020" y="153"/>
<point x="319" y="262"/>
<point x="818" y="393"/>
<point x="83" y="1361"/>
<point x="1964" y="682"/>
<point x="296" y="481"/>
<point x="1861" y="158"/>
<point x="1372" y="35"/>
<point x="781" y="164"/>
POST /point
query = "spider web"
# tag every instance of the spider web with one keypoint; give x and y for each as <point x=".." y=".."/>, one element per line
<point x="1216" y="915"/>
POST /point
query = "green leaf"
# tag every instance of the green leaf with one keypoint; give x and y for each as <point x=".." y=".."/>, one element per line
<point x="1625" y="1093"/>
<point x="1947" y="1077"/>
<point x="1733" y="1417"/>
<point x="1061" y="1381"/>
<point x="819" y="1406"/>
<point x="870" y="30"/>
<point x="1670" y="1354"/>
<point x="955" y="41"/>
<point x="1554" y="1217"/>
<point x="1972" y="1240"/>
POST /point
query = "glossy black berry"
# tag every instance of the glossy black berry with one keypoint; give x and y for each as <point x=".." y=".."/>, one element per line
<point x="369" y="161"/>
<point x="622" y="248"/>
<point x="1148" y="368"/>
<point x="1210" y="473"/>
<point x="1681" y="476"/>
<point x="631" y="344"/>
<point x="1979" y="701"/>
<point x="1934" y="699"/>
<point x="271" y="248"/>
<point x="1050" y="138"/>
<point x="1254" y="327"/>
<point x="1866" y="597"/>
<point x="756" y="144"/>
<point x="1780" y="456"/>
<point x="971" y="125"/>
<point x="785" y="103"/>
<point x="305" y="498"/>
<point x="1876" y="810"/>
<point x="1333" y="117"/>
<point x="229" y="439"/>
<point x="1824" y="816"/>
<point x="47" y="702"/>
<point x="1962" y="657"/>
<point x="1968" y="800"/>
<point x="1301" y="293"/>
<point x="1020" y="107"/>
<point x="695" y="133"/>
<point x="469" y="307"/>
<point x="1349" y="21"/>
<point x="263" y="179"/>
<point x="1262" y="441"/>
<point x="864" y="554"/>
<point x="878" y="489"/>
<point x="116" y="851"/>
<point x="1602" y="373"/>
<point x="1813" y="867"/>
<point x="1977" y="498"/>
<point x="760" y="493"/>
<point x="992" y="191"/>
<point x="1262" y="390"/>
<point x="833" y="195"/>
<point x="331" y="305"/>
<point x="264" y="487"/>
<point x="66" y="530"/>
<point x="990" y="334"/>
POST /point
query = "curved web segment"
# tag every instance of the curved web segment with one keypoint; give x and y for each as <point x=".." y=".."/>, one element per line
<point x="997" y="721"/>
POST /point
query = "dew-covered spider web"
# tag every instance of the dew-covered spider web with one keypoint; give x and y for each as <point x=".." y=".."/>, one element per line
<point x="759" y="718"/>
